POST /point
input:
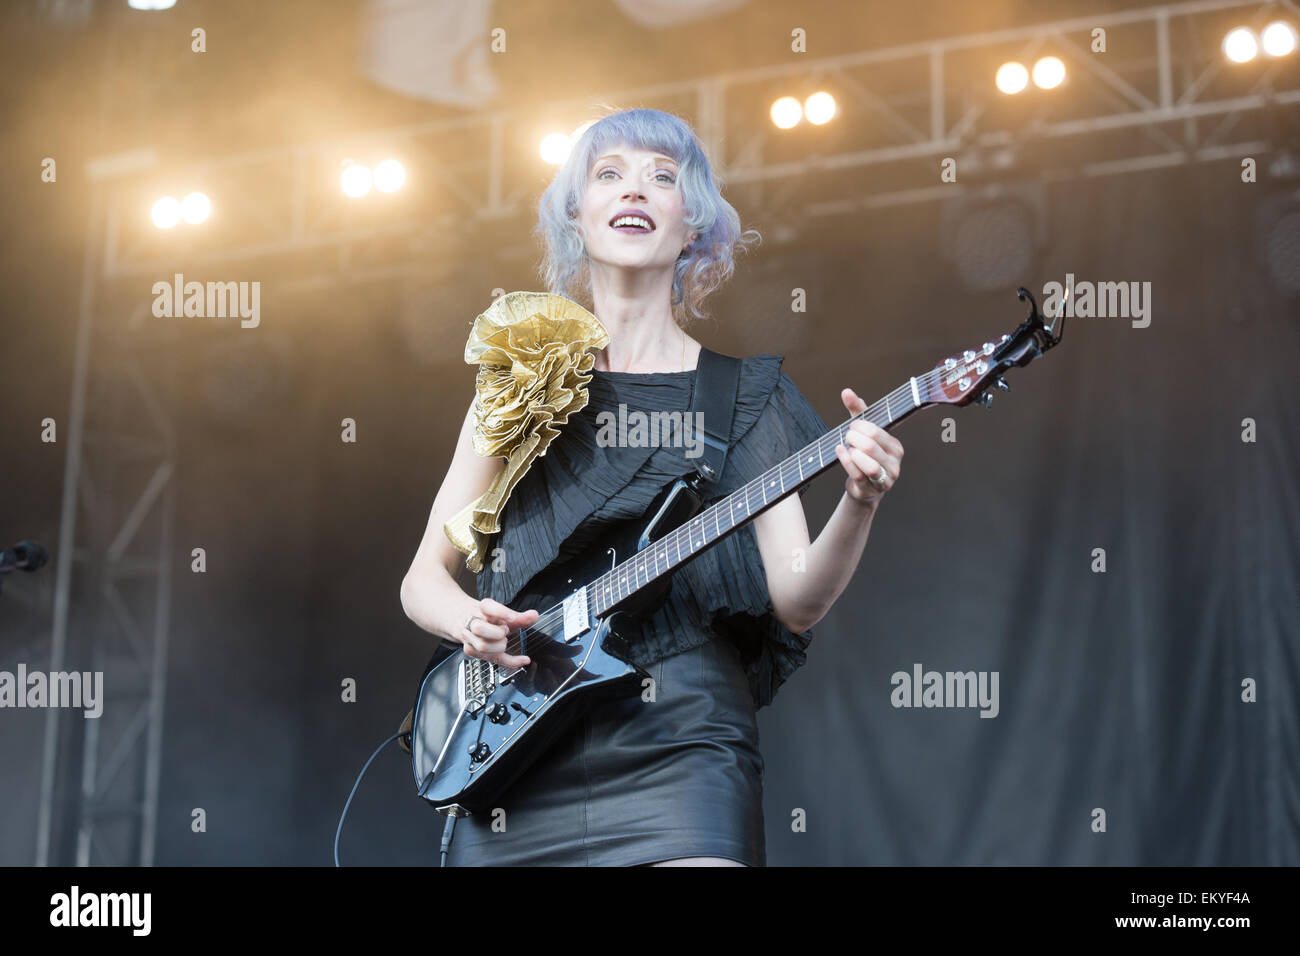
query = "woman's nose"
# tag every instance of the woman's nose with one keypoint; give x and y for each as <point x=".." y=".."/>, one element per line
<point x="634" y="192"/>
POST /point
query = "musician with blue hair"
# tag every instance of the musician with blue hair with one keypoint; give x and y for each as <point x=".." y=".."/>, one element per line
<point x="636" y="235"/>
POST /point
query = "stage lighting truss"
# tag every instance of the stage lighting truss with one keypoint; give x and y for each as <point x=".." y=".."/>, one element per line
<point x="1143" y="89"/>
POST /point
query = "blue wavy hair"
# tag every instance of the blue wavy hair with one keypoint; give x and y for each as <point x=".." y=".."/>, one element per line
<point x="700" y="270"/>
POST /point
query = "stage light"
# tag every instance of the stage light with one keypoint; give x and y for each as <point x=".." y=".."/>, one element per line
<point x="151" y="4"/>
<point x="1278" y="38"/>
<point x="1012" y="77"/>
<point x="166" y="212"/>
<point x="1048" y="73"/>
<point x="355" y="180"/>
<point x="195" y="208"/>
<point x="389" y="176"/>
<point x="554" y="148"/>
<point x="1239" y="45"/>
<point x="819" y="108"/>
<point x="786" y="112"/>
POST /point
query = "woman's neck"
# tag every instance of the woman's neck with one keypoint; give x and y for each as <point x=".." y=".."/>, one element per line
<point x="643" y="335"/>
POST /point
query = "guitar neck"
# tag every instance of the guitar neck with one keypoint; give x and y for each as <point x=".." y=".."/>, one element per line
<point x="725" y="516"/>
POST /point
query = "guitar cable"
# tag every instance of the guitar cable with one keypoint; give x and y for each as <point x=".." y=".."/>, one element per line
<point x="447" y="830"/>
<point x="339" y="831"/>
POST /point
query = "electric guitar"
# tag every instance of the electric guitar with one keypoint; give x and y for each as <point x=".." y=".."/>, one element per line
<point x="477" y="726"/>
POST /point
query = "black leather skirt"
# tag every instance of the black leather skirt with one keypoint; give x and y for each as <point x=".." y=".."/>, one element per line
<point x="635" y="781"/>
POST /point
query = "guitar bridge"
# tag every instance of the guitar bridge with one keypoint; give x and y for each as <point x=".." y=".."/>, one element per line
<point x="478" y="679"/>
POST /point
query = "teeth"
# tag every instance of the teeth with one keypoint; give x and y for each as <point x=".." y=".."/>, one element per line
<point x="631" y="221"/>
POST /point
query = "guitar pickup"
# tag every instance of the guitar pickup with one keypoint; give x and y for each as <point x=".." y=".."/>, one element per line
<point x="575" y="615"/>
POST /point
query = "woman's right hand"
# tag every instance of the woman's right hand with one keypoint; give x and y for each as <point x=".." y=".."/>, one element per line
<point x="486" y="636"/>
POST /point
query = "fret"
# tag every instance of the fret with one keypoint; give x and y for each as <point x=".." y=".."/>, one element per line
<point x="693" y="536"/>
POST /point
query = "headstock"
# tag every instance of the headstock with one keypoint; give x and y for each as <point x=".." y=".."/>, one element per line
<point x="965" y="378"/>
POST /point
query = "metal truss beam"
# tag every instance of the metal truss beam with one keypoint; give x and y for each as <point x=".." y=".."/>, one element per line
<point x="112" y="598"/>
<point x="903" y="109"/>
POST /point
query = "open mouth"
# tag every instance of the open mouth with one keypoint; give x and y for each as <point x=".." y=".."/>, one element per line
<point x="632" y="223"/>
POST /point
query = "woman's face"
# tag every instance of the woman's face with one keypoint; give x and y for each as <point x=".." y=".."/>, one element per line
<point x="644" y="183"/>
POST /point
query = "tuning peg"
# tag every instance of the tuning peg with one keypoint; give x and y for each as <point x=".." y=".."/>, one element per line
<point x="1003" y="385"/>
<point x="986" y="399"/>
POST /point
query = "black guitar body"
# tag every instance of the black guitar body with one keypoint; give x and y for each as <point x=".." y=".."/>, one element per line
<point x="477" y="726"/>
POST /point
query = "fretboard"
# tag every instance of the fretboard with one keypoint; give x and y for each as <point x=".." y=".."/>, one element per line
<point x="726" y="515"/>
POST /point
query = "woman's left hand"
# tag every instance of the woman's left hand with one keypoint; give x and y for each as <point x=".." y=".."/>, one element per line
<point x="873" y="458"/>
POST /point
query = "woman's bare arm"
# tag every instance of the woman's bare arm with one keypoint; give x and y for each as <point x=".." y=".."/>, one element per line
<point x="801" y="598"/>
<point x="430" y="595"/>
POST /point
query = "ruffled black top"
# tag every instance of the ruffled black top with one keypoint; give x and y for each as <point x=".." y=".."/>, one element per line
<point x="574" y="491"/>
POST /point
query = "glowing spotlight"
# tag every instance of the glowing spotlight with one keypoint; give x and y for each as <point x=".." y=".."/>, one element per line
<point x="355" y="180"/>
<point x="554" y="148"/>
<point x="1048" y="73"/>
<point x="819" y="108"/>
<point x="166" y="212"/>
<point x="786" y="112"/>
<point x="389" y="176"/>
<point x="1278" y="38"/>
<point x="1239" y="45"/>
<point x="195" y="208"/>
<point x="151" y="4"/>
<point x="1012" y="77"/>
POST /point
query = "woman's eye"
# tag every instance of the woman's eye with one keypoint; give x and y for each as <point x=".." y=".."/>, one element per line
<point x="662" y="173"/>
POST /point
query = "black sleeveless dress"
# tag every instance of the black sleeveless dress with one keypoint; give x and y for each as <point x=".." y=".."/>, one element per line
<point x="634" y="781"/>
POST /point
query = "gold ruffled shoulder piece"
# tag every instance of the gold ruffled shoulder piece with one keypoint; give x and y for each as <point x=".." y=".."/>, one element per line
<point x="533" y="350"/>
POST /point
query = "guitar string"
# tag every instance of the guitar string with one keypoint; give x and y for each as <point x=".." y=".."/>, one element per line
<point x="784" y="471"/>
<point x="555" y="615"/>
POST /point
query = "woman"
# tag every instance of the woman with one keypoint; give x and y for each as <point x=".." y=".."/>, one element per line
<point x="634" y="222"/>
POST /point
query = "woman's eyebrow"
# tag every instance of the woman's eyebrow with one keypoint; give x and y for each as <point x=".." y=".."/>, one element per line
<point x="619" y="156"/>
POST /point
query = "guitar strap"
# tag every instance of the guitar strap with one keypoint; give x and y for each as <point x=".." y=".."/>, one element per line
<point x="713" y="404"/>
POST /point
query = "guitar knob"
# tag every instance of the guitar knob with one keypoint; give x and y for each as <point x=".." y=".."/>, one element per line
<point x="1003" y="385"/>
<point x="498" y="714"/>
<point x="479" y="752"/>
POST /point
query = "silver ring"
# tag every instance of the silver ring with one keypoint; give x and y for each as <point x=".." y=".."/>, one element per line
<point x="472" y="619"/>
<point x="879" y="480"/>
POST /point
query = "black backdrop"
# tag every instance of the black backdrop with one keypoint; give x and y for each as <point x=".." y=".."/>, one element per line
<point x="1120" y="691"/>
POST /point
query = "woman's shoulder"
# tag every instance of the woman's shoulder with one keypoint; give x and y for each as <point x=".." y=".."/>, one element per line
<point x="765" y="380"/>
